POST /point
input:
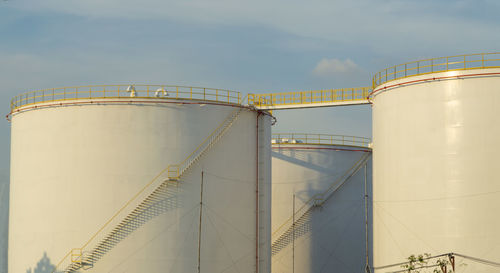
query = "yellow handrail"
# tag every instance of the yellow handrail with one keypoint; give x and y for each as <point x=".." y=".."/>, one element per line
<point x="176" y="168"/>
<point x="167" y="169"/>
<point x="319" y="139"/>
<point x="311" y="202"/>
<point x="125" y="91"/>
<point x="309" y="97"/>
<point x="441" y="64"/>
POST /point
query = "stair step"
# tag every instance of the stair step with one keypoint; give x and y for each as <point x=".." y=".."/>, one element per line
<point x="134" y="218"/>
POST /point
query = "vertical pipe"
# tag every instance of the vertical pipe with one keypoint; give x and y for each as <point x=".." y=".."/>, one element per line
<point x="366" y="224"/>
<point x="257" y="194"/>
<point x="199" y="226"/>
<point x="293" y="234"/>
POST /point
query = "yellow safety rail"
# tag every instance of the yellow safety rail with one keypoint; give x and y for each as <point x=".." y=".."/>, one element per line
<point x="76" y="253"/>
<point x="173" y="172"/>
<point x="319" y="139"/>
<point x="320" y="198"/>
<point x="176" y="170"/>
<point x="125" y="91"/>
<point x="316" y="98"/>
<point x="442" y="64"/>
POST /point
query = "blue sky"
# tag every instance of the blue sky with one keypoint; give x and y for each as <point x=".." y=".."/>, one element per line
<point x="249" y="46"/>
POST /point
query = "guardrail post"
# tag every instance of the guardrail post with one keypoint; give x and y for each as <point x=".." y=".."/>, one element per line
<point x="482" y="57"/>
<point x="465" y="66"/>
<point x="90" y="92"/>
<point x="217" y="94"/>
<point x="191" y="93"/>
<point x="173" y="172"/>
<point x="228" y="96"/>
<point x="177" y="92"/>
<point x="446" y="63"/>
<point x="204" y="93"/>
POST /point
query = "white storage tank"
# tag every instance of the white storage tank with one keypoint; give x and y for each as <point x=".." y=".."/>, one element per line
<point x="139" y="179"/>
<point x="436" y="184"/>
<point x="322" y="228"/>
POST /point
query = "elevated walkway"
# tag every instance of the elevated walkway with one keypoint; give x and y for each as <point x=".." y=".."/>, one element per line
<point x="310" y="99"/>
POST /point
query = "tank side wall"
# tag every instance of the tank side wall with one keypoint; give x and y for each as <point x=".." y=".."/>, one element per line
<point x="73" y="167"/>
<point x="332" y="237"/>
<point x="435" y="150"/>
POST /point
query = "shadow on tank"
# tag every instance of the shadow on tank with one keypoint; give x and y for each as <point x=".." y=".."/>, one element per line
<point x="163" y="199"/>
<point x="43" y="266"/>
<point x="337" y="242"/>
<point x="329" y="235"/>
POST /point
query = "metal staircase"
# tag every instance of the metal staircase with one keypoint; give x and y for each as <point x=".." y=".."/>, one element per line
<point x="290" y="230"/>
<point x="177" y="170"/>
<point x="161" y="199"/>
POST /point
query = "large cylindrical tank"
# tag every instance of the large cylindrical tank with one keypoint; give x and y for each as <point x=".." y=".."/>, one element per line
<point x="90" y="188"/>
<point x="435" y="147"/>
<point x="318" y="203"/>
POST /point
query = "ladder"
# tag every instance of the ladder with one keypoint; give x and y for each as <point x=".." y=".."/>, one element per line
<point x="301" y="226"/>
<point x="80" y="258"/>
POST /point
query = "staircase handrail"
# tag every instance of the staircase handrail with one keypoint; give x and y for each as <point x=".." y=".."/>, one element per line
<point x="165" y="170"/>
<point x="311" y="202"/>
<point x="176" y="168"/>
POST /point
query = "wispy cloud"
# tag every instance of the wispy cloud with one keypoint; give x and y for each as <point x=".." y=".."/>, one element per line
<point x="385" y="25"/>
<point x="335" y="67"/>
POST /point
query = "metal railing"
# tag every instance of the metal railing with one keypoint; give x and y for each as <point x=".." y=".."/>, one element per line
<point x="125" y="91"/>
<point x="309" y="97"/>
<point x="320" y="198"/>
<point x="170" y="173"/>
<point x="174" y="171"/>
<point x="319" y="139"/>
<point x="441" y="64"/>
